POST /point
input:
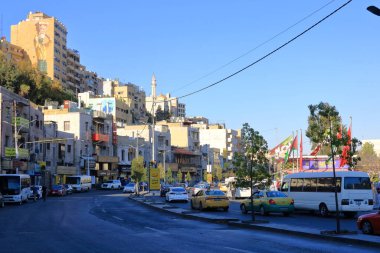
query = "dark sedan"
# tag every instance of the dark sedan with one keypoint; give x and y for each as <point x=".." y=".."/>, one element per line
<point x="164" y="189"/>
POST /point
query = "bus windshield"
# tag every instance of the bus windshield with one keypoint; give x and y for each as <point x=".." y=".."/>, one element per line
<point x="357" y="183"/>
<point x="72" y="180"/>
<point x="10" y="185"/>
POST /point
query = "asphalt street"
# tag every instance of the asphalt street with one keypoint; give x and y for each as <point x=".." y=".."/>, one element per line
<point x="108" y="221"/>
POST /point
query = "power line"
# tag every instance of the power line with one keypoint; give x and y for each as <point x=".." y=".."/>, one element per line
<point x="267" y="55"/>
<point x="258" y="46"/>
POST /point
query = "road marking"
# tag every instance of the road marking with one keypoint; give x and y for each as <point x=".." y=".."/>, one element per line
<point x="104" y="211"/>
<point x="118" y="218"/>
<point x="156" y="230"/>
<point x="239" y="250"/>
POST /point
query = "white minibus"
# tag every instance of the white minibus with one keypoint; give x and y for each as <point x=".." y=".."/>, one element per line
<point x="15" y="188"/>
<point x="314" y="191"/>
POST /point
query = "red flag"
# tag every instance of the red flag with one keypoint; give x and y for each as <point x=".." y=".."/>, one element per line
<point x="301" y="150"/>
<point x="316" y="149"/>
<point x="343" y="159"/>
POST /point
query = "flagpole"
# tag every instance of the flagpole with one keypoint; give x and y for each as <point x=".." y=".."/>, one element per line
<point x="297" y="152"/>
<point x="301" y="152"/>
<point x="292" y="150"/>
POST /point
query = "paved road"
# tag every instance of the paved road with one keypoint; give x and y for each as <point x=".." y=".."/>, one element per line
<point x="106" y="221"/>
<point x="298" y="219"/>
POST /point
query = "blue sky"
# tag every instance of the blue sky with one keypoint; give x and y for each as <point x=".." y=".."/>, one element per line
<point x="181" y="41"/>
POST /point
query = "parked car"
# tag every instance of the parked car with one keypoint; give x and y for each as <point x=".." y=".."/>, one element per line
<point x="69" y="189"/>
<point x="177" y="194"/>
<point x="210" y="199"/>
<point x="58" y="190"/>
<point x="196" y="188"/>
<point x="164" y="189"/>
<point x="267" y="202"/>
<point x="37" y="189"/>
<point x="369" y="223"/>
<point x="130" y="188"/>
<point x="112" y="184"/>
<point x="1" y="200"/>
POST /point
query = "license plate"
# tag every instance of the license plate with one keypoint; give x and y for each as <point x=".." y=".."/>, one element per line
<point x="358" y="203"/>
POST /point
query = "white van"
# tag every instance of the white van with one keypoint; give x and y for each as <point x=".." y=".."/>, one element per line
<point x="15" y="187"/>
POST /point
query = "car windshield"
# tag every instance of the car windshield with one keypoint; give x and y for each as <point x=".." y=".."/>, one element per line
<point x="276" y="194"/>
<point x="214" y="193"/>
<point x="178" y="190"/>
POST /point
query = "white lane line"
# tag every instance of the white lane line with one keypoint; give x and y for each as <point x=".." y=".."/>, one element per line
<point x="118" y="218"/>
<point x="103" y="210"/>
<point x="156" y="230"/>
<point x="239" y="250"/>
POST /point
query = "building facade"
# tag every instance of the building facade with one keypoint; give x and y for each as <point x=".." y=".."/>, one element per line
<point x="44" y="39"/>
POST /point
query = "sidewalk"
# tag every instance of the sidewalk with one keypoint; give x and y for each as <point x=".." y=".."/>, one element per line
<point x="153" y="201"/>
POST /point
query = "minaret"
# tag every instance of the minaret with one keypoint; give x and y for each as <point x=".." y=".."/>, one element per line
<point x="154" y="85"/>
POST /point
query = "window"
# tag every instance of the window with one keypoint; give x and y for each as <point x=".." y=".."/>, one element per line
<point x="327" y="184"/>
<point x="296" y="184"/>
<point x="357" y="183"/>
<point x="86" y="126"/>
<point x="285" y="187"/>
<point x="66" y="125"/>
<point x="48" y="146"/>
<point x="68" y="148"/>
<point x="123" y="155"/>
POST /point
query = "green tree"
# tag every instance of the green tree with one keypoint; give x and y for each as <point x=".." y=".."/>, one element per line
<point x="138" y="171"/>
<point x="251" y="162"/>
<point x="179" y="176"/>
<point x="160" y="168"/>
<point x="169" y="176"/>
<point x="369" y="162"/>
<point x="188" y="177"/>
<point x="324" y="125"/>
<point x="217" y="172"/>
<point x="205" y="175"/>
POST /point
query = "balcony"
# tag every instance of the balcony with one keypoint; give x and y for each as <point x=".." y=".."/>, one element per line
<point x="100" y="137"/>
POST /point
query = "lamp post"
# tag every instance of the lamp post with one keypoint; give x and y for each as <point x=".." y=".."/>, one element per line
<point x="374" y="10"/>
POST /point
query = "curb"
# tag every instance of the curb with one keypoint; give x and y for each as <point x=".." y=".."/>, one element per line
<point x="238" y="223"/>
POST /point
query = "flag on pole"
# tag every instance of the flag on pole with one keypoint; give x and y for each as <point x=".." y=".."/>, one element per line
<point x="316" y="149"/>
<point x="301" y="151"/>
<point x="292" y="147"/>
<point x="346" y="149"/>
<point x="280" y="149"/>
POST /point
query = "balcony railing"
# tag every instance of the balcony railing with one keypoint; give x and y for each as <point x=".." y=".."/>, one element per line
<point x="100" y="137"/>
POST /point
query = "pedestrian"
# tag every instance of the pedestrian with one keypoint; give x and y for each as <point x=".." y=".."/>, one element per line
<point x="44" y="192"/>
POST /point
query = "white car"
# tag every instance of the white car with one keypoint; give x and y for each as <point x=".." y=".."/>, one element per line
<point x="129" y="188"/>
<point x="177" y="194"/>
<point x="111" y="185"/>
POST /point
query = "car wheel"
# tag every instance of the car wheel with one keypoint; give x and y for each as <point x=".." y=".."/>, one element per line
<point x="323" y="211"/>
<point x="225" y="209"/>
<point x="262" y="211"/>
<point x="286" y="214"/>
<point x="200" y="206"/>
<point x="243" y="209"/>
<point x="367" y="227"/>
<point x="2" y="204"/>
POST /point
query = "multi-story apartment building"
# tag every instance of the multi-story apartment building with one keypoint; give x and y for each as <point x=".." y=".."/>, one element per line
<point x="76" y="123"/>
<point x="185" y="148"/>
<point x="44" y="39"/>
<point x="110" y="105"/>
<point x="134" y="96"/>
<point x="91" y="82"/>
<point x="21" y="129"/>
<point x="12" y="52"/>
<point x="74" y="71"/>
<point x="217" y="136"/>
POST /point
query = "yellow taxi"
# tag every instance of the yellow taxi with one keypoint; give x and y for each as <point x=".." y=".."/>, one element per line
<point x="267" y="202"/>
<point x="210" y="198"/>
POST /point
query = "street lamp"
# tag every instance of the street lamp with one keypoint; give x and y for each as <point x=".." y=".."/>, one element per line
<point x="374" y="10"/>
